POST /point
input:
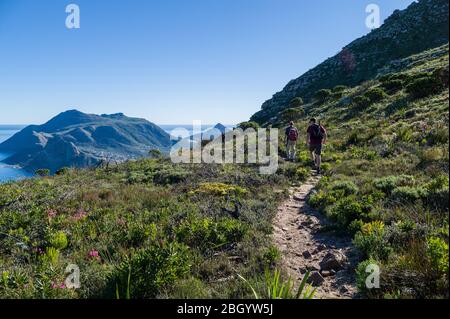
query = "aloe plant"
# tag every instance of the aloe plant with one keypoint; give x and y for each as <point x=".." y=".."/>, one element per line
<point x="277" y="288"/>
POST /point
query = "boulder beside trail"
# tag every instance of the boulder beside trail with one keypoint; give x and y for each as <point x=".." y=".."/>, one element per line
<point x="333" y="261"/>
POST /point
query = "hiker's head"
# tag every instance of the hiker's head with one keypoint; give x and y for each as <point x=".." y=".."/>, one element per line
<point x="312" y="121"/>
<point x="291" y="123"/>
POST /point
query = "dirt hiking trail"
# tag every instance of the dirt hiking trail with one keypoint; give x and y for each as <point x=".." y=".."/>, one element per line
<point x="331" y="260"/>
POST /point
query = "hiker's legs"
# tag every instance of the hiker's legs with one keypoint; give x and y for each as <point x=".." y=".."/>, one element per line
<point x="318" y="160"/>
<point x="318" y="156"/>
<point x="312" y="150"/>
<point x="291" y="150"/>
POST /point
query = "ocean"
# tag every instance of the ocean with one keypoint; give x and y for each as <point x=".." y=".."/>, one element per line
<point x="7" y="172"/>
<point x="11" y="173"/>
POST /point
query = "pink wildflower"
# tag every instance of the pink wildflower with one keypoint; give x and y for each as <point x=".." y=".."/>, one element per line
<point x="58" y="286"/>
<point x="80" y="215"/>
<point x="94" y="254"/>
<point x="121" y="221"/>
<point x="51" y="213"/>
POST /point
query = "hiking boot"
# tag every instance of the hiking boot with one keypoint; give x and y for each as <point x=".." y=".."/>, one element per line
<point x="318" y="170"/>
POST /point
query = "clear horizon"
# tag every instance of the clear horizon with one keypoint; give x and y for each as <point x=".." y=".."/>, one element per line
<point x="168" y="62"/>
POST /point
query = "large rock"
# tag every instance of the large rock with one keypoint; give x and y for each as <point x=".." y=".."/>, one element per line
<point x="333" y="261"/>
<point x="315" y="279"/>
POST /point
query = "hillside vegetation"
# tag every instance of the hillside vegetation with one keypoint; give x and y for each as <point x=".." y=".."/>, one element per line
<point x="387" y="166"/>
<point x="142" y="229"/>
<point x="420" y="27"/>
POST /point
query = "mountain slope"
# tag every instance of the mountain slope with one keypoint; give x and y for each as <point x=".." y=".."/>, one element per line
<point x="422" y="26"/>
<point x="73" y="138"/>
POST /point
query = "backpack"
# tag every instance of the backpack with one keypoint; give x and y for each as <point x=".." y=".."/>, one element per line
<point x="316" y="132"/>
<point x="293" y="134"/>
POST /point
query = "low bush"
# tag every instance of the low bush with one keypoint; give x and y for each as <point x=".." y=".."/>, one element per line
<point x="148" y="271"/>
<point x="375" y="95"/>
<point x="42" y="172"/>
<point x="348" y="209"/>
<point x="393" y="86"/>
<point x="320" y="200"/>
<point x="323" y="95"/>
<point x="219" y="189"/>
<point x="408" y="194"/>
<point x="361" y="102"/>
<point x="424" y="86"/>
<point x="296" y="102"/>
<point x="205" y="233"/>
<point x="371" y="241"/>
<point x="347" y="187"/>
<point x="363" y="271"/>
<point x="248" y="125"/>
<point x="58" y="240"/>
<point x="170" y="175"/>
<point x="437" y="250"/>
<point x="389" y="183"/>
<point x="302" y="173"/>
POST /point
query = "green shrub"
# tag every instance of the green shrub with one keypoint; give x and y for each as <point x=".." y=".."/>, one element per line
<point x="361" y="102"/>
<point x="292" y="114"/>
<point x="271" y="256"/>
<point x="296" y="102"/>
<point x="339" y="88"/>
<point x="219" y="189"/>
<point x="389" y="183"/>
<point x="393" y="86"/>
<point x="302" y="173"/>
<point x="424" y="86"/>
<point x="62" y="171"/>
<point x="51" y="256"/>
<point x="139" y="233"/>
<point x="9" y="194"/>
<point x="150" y="270"/>
<point x="408" y="194"/>
<point x="437" y="250"/>
<point x="361" y="276"/>
<point x="404" y="134"/>
<point x="325" y="167"/>
<point x="355" y="226"/>
<point x="439" y="135"/>
<point x="442" y="75"/>
<point x="371" y="241"/>
<point x="348" y="209"/>
<point x="248" y="125"/>
<point x="375" y="95"/>
<point x="170" y="175"/>
<point x="438" y="193"/>
<point x="348" y="187"/>
<point x="58" y="240"/>
<point x="206" y="233"/>
<point x="321" y="200"/>
<point x="42" y="172"/>
<point x="304" y="157"/>
<point x="405" y="77"/>
<point x="323" y="95"/>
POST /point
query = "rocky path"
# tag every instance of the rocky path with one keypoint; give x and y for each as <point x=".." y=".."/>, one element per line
<point x="297" y="234"/>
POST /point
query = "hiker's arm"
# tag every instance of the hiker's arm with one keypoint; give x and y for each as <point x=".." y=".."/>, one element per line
<point x="308" y="139"/>
<point x="325" y="137"/>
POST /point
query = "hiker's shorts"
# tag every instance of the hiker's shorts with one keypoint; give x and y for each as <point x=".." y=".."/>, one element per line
<point x="317" y="149"/>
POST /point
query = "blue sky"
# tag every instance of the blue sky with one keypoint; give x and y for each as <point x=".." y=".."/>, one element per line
<point x="170" y="61"/>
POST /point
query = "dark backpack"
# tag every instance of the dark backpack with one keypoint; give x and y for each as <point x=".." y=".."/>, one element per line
<point x="293" y="134"/>
<point x="316" y="132"/>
